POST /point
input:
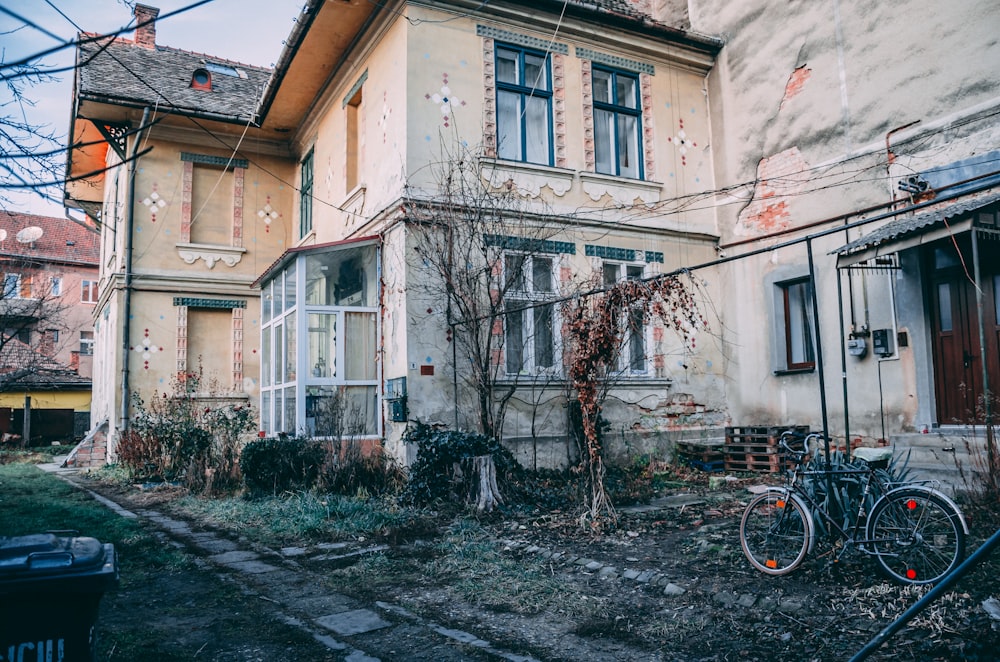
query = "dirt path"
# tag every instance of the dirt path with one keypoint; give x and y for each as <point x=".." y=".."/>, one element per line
<point x="671" y="584"/>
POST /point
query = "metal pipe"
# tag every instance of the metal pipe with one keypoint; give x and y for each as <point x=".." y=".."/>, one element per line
<point x="843" y="355"/>
<point x="984" y="366"/>
<point x="127" y="286"/>
<point x="819" y="349"/>
<point x="930" y="596"/>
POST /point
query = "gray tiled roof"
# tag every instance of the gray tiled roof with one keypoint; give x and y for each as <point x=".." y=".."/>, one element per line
<point x="128" y="74"/>
<point x="901" y="227"/>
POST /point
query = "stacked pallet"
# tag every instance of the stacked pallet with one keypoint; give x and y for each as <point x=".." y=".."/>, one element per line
<point x="756" y="448"/>
<point x="707" y="457"/>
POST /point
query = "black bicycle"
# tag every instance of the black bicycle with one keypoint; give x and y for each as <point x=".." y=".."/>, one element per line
<point x="915" y="532"/>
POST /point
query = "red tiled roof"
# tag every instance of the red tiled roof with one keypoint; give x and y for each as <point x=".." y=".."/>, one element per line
<point x="62" y="240"/>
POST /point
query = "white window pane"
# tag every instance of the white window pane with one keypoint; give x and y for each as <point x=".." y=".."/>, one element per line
<point x="265" y="357"/>
<point x="610" y="274"/>
<point x="602" y="86"/>
<point x="265" y="411"/>
<point x="536" y="123"/>
<point x="507" y="66"/>
<point x="800" y="336"/>
<point x="541" y="274"/>
<point x="289" y="425"/>
<point x="535" y="72"/>
<point x="359" y="341"/>
<point x="626" y="91"/>
<point x="514" y="341"/>
<point x="509" y="126"/>
<point x="290" y="349"/>
<point x="628" y="146"/>
<point x="514" y="271"/>
<point x="322" y="345"/>
<point x="604" y="142"/>
<point x="543" y="339"/>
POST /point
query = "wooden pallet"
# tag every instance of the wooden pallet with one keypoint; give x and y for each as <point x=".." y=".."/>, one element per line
<point x="757" y="448"/>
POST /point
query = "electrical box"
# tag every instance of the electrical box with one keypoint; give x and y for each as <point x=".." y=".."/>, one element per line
<point x="882" y="342"/>
<point x="395" y="396"/>
<point x="857" y="347"/>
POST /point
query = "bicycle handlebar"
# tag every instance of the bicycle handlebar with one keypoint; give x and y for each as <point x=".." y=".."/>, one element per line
<point x="792" y="434"/>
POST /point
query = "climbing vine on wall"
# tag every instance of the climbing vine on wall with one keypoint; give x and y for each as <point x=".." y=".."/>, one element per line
<point x="596" y="326"/>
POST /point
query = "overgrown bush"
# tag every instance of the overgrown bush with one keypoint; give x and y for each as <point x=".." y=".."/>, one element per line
<point x="186" y="436"/>
<point x="442" y="471"/>
<point x="349" y="471"/>
<point x="282" y="464"/>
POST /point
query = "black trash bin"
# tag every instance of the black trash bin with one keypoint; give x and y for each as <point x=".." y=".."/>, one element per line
<point x="50" y="588"/>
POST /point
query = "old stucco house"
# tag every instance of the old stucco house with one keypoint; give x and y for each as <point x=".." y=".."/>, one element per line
<point x="816" y="180"/>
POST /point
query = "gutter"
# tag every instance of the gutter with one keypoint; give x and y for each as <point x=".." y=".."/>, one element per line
<point x="126" y="326"/>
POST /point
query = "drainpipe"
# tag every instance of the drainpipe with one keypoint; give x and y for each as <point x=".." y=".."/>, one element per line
<point x="127" y="290"/>
<point x="987" y="395"/>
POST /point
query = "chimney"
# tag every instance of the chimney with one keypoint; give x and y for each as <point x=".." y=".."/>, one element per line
<point x="145" y="35"/>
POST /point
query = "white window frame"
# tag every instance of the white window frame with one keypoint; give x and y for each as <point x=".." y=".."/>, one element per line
<point x="538" y="93"/>
<point x="625" y="363"/>
<point x="521" y="299"/>
<point x="88" y="291"/>
<point x="86" y="343"/>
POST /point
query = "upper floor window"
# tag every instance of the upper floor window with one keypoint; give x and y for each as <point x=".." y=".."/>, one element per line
<point x="617" y="117"/>
<point x="306" y="196"/>
<point x="88" y="291"/>
<point x="524" y="105"/>
<point x="529" y="340"/>
<point x="87" y="342"/>
<point x="55" y="286"/>
<point x="11" y="286"/>
<point x="632" y="357"/>
<point x="796" y="306"/>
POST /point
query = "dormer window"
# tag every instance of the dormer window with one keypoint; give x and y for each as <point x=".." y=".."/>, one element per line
<point x="201" y="80"/>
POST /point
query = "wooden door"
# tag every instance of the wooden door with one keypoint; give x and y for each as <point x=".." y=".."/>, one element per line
<point x="958" y="367"/>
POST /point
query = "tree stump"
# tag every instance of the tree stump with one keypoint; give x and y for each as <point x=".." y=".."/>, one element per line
<point x="483" y="488"/>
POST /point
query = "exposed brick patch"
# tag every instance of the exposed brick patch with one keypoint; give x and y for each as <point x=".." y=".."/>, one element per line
<point x="796" y="81"/>
<point x="779" y="178"/>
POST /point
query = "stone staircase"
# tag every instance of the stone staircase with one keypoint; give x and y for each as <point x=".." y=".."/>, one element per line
<point x="952" y="455"/>
<point x="92" y="451"/>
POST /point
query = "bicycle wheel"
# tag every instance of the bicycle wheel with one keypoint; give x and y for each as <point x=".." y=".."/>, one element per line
<point x="774" y="533"/>
<point x="916" y="536"/>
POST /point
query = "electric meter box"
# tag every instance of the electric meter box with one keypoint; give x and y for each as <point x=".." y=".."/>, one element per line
<point x="882" y="342"/>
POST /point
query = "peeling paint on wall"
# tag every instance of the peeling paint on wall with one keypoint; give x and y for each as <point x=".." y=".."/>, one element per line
<point x="796" y="81"/>
<point x="779" y="178"/>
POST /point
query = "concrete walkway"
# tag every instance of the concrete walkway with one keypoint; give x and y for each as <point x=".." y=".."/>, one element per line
<point x="356" y="631"/>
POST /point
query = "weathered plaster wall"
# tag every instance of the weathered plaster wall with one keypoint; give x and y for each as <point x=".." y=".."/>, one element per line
<point x="817" y="110"/>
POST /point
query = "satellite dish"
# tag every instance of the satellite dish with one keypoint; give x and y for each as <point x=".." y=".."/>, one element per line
<point x="3" y="234"/>
<point x="29" y="235"/>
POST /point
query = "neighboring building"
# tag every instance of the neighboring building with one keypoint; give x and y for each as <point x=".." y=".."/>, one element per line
<point x="49" y="271"/>
<point x="56" y="398"/>
<point x="875" y="135"/>
<point x="183" y="217"/>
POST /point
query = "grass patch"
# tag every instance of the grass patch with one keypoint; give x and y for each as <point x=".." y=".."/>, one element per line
<point x="32" y="501"/>
<point x="303" y="516"/>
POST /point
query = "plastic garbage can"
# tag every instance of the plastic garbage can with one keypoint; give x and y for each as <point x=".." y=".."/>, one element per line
<point x="50" y="588"/>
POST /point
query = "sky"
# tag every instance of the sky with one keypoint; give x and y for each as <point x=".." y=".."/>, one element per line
<point x="247" y="31"/>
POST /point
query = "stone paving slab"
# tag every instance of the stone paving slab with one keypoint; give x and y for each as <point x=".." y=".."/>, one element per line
<point x="252" y="567"/>
<point x="234" y="556"/>
<point x="355" y="621"/>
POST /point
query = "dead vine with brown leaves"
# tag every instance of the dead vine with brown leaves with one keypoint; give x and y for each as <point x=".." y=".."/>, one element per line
<point x="596" y="326"/>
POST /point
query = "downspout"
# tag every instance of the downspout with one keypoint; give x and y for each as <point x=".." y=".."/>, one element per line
<point x="987" y="395"/>
<point x="127" y="289"/>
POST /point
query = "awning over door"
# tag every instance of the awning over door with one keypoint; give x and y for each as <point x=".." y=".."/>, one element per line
<point x="910" y="231"/>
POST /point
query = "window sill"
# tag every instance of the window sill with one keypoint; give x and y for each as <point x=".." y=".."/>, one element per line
<point x="793" y="371"/>
<point x="211" y="253"/>
<point x="528" y="178"/>
<point x="623" y="191"/>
